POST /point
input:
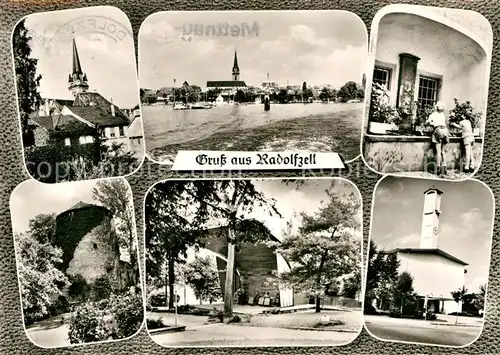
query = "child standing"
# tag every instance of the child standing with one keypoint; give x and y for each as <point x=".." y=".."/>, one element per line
<point x="465" y="126"/>
<point x="440" y="135"/>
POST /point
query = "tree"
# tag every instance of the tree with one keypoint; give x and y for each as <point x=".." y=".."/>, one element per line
<point x="458" y="296"/>
<point x="480" y="297"/>
<point x="352" y="285"/>
<point x="325" y="95"/>
<point x="40" y="280"/>
<point x="170" y="231"/>
<point x="348" y="91"/>
<point x="116" y="196"/>
<point x="325" y="247"/>
<point x="283" y="97"/>
<point x="203" y="277"/>
<point x="304" y="86"/>
<point x="240" y="96"/>
<point x="388" y="276"/>
<point x="360" y="93"/>
<point x="402" y="291"/>
<point x="42" y="227"/>
<point x="27" y="80"/>
<point x="373" y="274"/>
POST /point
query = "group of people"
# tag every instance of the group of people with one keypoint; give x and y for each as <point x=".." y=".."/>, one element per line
<point x="441" y="136"/>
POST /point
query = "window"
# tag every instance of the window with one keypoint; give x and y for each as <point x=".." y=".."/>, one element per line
<point x="86" y="139"/>
<point x="67" y="142"/>
<point x="382" y="76"/>
<point x="428" y="90"/>
<point x="122" y="131"/>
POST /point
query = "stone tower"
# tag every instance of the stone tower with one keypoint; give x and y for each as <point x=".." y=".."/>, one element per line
<point x="236" y="68"/>
<point x="430" y="219"/>
<point x="77" y="81"/>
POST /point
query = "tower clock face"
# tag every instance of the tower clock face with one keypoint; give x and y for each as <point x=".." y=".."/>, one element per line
<point x="435" y="230"/>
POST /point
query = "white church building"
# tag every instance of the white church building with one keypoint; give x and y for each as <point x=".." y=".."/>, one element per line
<point x="435" y="272"/>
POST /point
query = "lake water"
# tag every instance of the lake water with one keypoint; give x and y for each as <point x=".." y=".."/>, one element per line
<point x="164" y="126"/>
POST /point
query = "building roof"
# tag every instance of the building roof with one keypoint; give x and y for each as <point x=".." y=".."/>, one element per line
<point x="94" y="99"/>
<point x="82" y="205"/>
<point x="226" y="84"/>
<point x="435" y="251"/>
<point x="61" y="123"/>
<point x="99" y="117"/>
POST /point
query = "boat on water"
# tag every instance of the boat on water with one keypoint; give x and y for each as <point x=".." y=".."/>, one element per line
<point x="201" y="106"/>
<point x="180" y="106"/>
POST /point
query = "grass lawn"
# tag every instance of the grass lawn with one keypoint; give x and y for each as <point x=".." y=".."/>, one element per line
<point x="334" y="132"/>
<point x="338" y="320"/>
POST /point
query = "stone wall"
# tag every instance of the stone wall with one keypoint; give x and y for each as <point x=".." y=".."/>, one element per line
<point x="390" y="154"/>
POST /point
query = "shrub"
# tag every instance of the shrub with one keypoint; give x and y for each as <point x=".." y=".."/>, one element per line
<point x="101" y="288"/>
<point x="119" y="317"/>
<point x="129" y="313"/>
<point x="88" y="324"/>
<point x="155" y="323"/>
<point x="60" y="306"/>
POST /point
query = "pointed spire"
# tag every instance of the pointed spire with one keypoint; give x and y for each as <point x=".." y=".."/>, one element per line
<point x="77" y="79"/>
<point x="77" y="69"/>
<point x="235" y="64"/>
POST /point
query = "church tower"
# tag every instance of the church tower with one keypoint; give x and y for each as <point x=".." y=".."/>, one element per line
<point x="77" y="81"/>
<point x="430" y="219"/>
<point x="236" y="69"/>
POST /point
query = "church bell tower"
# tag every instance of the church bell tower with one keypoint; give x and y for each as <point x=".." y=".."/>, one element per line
<point x="430" y="219"/>
<point x="77" y="81"/>
<point x="236" y="68"/>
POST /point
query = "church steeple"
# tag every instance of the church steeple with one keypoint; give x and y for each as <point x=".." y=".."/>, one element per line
<point x="77" y="79"/>
<point x="236" y="68"/>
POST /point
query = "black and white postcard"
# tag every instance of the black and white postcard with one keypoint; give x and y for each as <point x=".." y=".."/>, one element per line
<point x="268" y="262"/>
<point x="427" y="90"/>
<point x="429" y="260"/>
<point x="77" y="94"/>
<point x="247" y="81"/>
<point x="77" y="261"/>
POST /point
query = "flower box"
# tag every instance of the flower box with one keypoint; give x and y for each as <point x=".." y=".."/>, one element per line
<point x="381" y="128"/>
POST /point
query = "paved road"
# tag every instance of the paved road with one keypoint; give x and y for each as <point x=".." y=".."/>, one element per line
<point x="228" y="334"/>
<point x="426" y="334"/>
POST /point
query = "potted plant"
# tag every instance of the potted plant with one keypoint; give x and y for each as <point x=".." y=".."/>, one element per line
<point x="465" y="110"/>
<point x="384" y="117"/>
<point x="423" y="112"/>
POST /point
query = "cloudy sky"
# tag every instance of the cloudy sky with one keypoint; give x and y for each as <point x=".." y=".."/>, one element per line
<point x="105" y="47"/>
<point x="31" y="198"/>
<point x="323" y="47"/>
<point x="465" y="223"/>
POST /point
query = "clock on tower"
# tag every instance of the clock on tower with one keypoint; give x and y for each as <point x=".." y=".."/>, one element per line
<point x="430" y="219"/>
